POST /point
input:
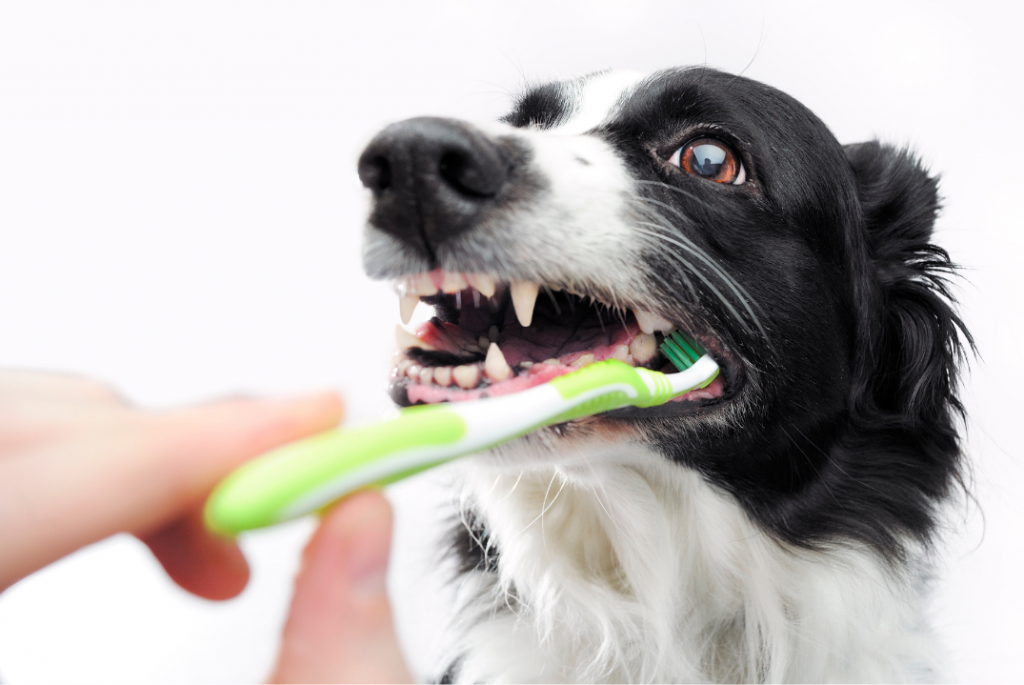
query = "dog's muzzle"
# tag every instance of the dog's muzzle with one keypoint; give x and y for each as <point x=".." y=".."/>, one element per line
<point x="431" y="179"/>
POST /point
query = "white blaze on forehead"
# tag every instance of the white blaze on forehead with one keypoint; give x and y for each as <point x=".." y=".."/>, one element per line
<point x="596" y="100"/>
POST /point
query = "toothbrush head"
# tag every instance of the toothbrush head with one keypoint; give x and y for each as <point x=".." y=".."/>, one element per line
<point x="682" y="350"/>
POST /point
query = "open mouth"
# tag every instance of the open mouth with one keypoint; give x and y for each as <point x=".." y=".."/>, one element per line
<point x="490" y="338"/>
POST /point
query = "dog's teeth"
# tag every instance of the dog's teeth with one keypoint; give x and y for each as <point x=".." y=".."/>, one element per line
<point x="413" y="372"/>
<point x="443" y="376"/>
<point x="583" y="360"/>
<point x="643" y="347"/>
<point x="403" y="366"/>
<point x="406" y="306"/>
<point x="526" y="365"/>
<point x="404" y="340"/>
<point x="484" y="342"/>
<point x="421" y="285"/>
<point x="651" y="322"/>
<point x="551" y="361"/>
<point x="466" y="377"/>
<point x="495" y="366"/>
<point x="492" y="333"/>
<point x="496" y="302"/>
<point x="482" y="282"/>
<point x="622" y="353"/>
<point x="427" y="375"/>
<point x="453" y="283"/>
<point x="524" y="297"/>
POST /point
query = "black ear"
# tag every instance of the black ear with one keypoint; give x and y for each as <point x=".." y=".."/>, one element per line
<point x="912" y="342"/>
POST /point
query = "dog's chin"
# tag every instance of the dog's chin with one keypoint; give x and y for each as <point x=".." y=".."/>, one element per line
<point x="477" y="347"/>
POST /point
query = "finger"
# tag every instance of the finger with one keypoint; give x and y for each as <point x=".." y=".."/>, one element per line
<point x="137" y="472"/>
<point x="191" y="450"/>
<point x="54" y="386"/>
<point x="205" y="565"/>
<point x="340" y="628"/>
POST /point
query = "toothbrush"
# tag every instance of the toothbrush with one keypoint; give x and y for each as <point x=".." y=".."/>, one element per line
<point x="310" y="474"/>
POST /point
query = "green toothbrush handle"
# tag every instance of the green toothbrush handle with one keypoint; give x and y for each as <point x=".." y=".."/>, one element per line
<point x="309" y="474"/>
<point x="287" y="482"/>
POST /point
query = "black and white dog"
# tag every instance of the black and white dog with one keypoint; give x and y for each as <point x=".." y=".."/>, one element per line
<point x="775" y="526"/>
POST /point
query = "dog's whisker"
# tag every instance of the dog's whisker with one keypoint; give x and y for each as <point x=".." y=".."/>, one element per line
<point x="513" y="489"/>
<point x="680" y="240"/>
<point x="704" y="279"/>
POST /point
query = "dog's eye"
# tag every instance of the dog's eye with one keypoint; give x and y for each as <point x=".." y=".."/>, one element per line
<point x="710" y="159"/>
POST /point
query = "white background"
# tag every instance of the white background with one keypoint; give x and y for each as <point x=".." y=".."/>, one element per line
<point x="180" y="215"/>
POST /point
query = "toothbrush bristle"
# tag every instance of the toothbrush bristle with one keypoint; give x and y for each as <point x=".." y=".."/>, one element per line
<point x="681" y="350"/>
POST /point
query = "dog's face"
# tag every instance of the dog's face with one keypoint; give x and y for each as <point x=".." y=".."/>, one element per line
<point x="605" y="211"/>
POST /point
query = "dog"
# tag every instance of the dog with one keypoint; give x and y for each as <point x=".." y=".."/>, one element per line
<point x="778" y="525"/>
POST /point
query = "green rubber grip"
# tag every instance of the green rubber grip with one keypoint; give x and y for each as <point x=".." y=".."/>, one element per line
<point x="262" y="492"/>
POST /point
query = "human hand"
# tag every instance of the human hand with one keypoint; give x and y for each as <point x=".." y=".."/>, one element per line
<point x="78" y="465"/>
<point x="339" y="629"/>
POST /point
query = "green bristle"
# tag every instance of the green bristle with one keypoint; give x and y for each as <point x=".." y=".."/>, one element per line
<point x="675" y="354"/>
<point x="681" y="350"/>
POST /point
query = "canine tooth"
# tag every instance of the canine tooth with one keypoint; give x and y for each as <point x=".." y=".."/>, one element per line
<point x="406" y="306"/>
<point x="484" y="342"/>
<point x="583" y="360"/>
<point x="492" y="333"/>
<point x="651" y="322"/>
<point x="422" y="285"/>
<point x="453" y="283"/>
<point x="495" y="366"/>
<point x="621" y="353"/>
<point x="524" y="297"/>
<point x="404" y="339"/>
<point x="466" y="377"/>
<point x="643" y="347"/>
<point x="443" y="376"/>
<point x="426" y="375"/>
<point x="482" y="282"/>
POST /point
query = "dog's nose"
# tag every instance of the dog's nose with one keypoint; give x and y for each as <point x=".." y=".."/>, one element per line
<point x="431" y="179"/>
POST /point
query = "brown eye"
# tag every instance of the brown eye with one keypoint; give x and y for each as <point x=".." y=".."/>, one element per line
<point x="710" y="159"/>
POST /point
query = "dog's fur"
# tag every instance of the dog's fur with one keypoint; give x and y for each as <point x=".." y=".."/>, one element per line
<point x="779" y="533"/>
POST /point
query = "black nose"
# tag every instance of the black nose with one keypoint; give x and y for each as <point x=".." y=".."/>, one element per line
<point x="431" y="179"/>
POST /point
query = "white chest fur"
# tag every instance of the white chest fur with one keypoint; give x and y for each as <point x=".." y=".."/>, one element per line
<point x="618" y="565"/>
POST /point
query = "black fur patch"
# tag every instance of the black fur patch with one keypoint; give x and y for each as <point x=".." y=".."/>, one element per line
<point x="544" y="106"/>
<point x="471" y="545"/>
<point x="844" y="416"/>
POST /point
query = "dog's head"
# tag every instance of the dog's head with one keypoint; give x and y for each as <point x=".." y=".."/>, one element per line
<point x="605" y="211"/>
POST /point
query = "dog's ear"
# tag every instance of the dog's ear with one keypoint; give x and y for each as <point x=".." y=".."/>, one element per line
<point x="910" y="353"/>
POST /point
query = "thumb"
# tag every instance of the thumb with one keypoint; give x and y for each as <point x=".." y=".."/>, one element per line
<point x="340" y="628"/>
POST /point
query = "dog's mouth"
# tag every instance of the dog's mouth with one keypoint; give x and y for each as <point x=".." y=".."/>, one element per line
<point x="490" y="338"/>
